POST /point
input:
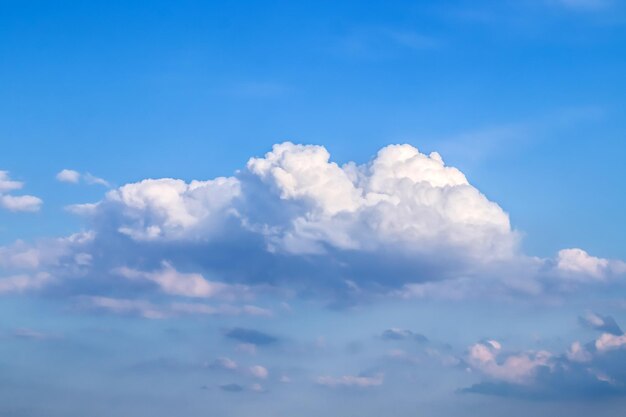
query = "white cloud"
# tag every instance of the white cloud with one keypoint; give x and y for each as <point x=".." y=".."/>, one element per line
<point x="65" y="253"/>
<point x="578" y="353"/>
<point x="170" y="281"/>
<point x="20" y="203"/>
<point x="93" y="180"/>
<point x="401" y="197"/>
<point x="609" y="341"/>
<point x="225" y="363"/>
<point x="403" y="224"/>
<point x="24" y="282"/>
<point x="68" y="175"/>
<point x="16" y="203"/>
<point x="74" y="177"/>
<point x="517" y="368"/>
<point x="295" y="201"/>
<point x="577" y="264"/>
<point x="19" y="256"/>
<point x="168" y="208"/>
<point x="351" y="381"/>
<point x="259" y="371"/>
<point x="7" y="184"/>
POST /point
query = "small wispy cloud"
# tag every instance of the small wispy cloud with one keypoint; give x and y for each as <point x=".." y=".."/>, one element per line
<point x="350" y="381"/>
<point x="28" y="203"/>
<point x="24" y="282"/>
<point x="68" y="175"/>
<point x="71" y="176"/>
<point x="380" y="42"/>
<point x="150" y="310"/>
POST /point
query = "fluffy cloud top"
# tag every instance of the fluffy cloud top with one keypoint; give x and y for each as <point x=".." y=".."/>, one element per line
<point x="579" y="265"/>
<point x="172" y="209"/>
<point x="401" y="197"/>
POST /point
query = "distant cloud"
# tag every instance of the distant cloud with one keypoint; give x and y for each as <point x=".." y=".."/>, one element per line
<point x="25" y="333"/>
<point x="11" y="202"/>
<point x="351" y="381"/>
<point x="7" y="184"/>
<point x="256" y="387"/>
<point x="225" y="363"/>
<point x="403" y="334"/>
<point x="601" y="323"/>
<point x="68" y="175"/>
<point x="383" y="42"/>
<point x="609" y="341"/>
<point x="170" y="281"/>
<point x="591" y="370"/>
<point x="74" y="177"/>
<point x="578" y="264"/>
<point x="518" y="368"/>
<point x="248" y="348"/>
<point x="24" y="282"/>
<point x="20" y="203"/>
<point x="259" y="371"/>
<point x="151" y="310"/>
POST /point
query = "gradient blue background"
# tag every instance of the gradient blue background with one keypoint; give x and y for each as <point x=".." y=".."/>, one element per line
<point x="527" y="98"/>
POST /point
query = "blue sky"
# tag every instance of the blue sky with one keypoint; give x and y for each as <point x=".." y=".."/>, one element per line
<point x="203" y="207"/>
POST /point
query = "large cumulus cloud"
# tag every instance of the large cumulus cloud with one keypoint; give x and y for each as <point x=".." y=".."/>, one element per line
<point x="296" y="215"/>
<point x="303" y="203"/>
<point x="403" y="223"/>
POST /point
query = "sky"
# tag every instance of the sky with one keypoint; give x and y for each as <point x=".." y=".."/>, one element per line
<point x="301" y="208"/>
